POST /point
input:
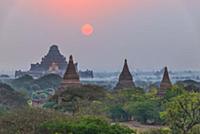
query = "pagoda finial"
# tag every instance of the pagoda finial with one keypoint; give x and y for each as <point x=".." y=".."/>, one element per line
<point x="165" y="68"/>
<point x="126" y="61"/>
<point x="71" y="58"/>
<point x="166" y="75"/>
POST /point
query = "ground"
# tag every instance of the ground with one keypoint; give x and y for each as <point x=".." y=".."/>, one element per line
<point x="139" y="127"/>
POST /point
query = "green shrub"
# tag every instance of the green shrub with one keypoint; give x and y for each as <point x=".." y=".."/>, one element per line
<point x="117" y="113"/>
<point x="87" y="125"/>
<point x="146" y="111"/>
<point x="25" y="121"/>
<point x="182" y="113"/>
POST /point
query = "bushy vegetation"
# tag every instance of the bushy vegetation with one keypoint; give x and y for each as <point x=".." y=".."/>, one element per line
<point x="39" y="121"/>
<point x="77" y="100"/>
<point x="145" y="111"/>
<point x="88" y="125"/>
<point x="178" y="110"/>
<point x="9" y="98"/>
<point x="121" y="105"/>
<point x="28" y="84"/>
<point x="27" y="120"/>
<point x="48" y="81"/>
<point x="183" y="112"/>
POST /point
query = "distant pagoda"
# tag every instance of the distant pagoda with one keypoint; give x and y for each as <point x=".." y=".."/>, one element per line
<point x="165" y="83"/>
<point x="53" y="57"/>
<point x="125" y="78"/>
<point x="71" y="76"/>
<point x="53" y="62"/>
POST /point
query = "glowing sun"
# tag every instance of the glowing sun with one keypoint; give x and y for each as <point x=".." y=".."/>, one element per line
<point x="87" y="29"/>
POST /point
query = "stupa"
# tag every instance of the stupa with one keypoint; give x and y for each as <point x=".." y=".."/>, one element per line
<point x="71" y="76"/>
<point x="125" y="78"/>
<point x="165" y="83"/>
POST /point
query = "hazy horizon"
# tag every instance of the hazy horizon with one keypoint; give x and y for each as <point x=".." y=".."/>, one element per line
<point x="149" y="33"/>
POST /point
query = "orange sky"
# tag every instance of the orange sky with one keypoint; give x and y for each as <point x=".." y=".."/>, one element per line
<point x="77" y="9"/>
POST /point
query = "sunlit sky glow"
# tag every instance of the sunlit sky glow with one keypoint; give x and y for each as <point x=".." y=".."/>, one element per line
<point x="149" y="33"/>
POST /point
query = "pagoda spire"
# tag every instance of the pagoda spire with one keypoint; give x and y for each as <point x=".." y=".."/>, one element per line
<point x="125" y="78"/>
<point x="125" y="74"/>
<point x="71" y="73"/>
<point x="166" y="78"/>
<point x="71" y="76"/>
<point x="165" y="83"/>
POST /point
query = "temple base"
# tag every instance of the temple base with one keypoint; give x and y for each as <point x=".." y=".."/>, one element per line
<point x="125" y="84"/>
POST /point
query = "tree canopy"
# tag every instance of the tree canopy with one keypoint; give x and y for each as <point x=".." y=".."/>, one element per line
<point x="183" y="112"/>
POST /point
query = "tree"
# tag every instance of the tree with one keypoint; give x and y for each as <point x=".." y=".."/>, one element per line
<point x="121" y="97"/>
<point x="48" y="81"/>
<point x="146" y="111"/>
<point x="26" y="120"/>
<point x="10" y="98"/>
<point x="84" y="125"/>
<point x="93" y="108"/>
<point x="117" y="113"/>
<point x="73" y="99"/>
<point x="183" y="112"/>
<point x="176" y="90"/>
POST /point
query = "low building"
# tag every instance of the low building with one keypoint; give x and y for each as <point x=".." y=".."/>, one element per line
<point x="39" y="98"/>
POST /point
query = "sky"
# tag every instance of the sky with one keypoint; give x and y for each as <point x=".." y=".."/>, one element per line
<point x="151" y="34"/>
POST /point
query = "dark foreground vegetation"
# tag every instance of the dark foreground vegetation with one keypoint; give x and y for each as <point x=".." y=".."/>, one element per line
<point x="94" y="110"/>
<point x="39" y="121"/>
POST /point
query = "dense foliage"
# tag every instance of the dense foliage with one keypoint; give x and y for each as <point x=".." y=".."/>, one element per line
<point x="28" y="84"/>
<point x="183" y="112"/>
<point x="77" y="100"/>
<point x="26" y="120"/>
<point x="36" y="121"/>
<point x="145" y="111"/>
<point x="178" y="110"/>
<point x="88" y="125"/>
<point x="48" y="81"/>
<point x="9" y="98"/>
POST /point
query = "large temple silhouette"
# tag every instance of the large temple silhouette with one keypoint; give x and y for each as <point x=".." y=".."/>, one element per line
<point x="53" y="57"/>
<point x="53" y="62"/>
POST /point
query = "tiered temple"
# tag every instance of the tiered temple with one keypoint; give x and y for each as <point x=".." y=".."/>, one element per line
<point x="165" y="83"/>
<point x="71" y="76"/>
<point x="125" y="78"/>
<point x="53" y="56"/>
<point x="53" y="62"/>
